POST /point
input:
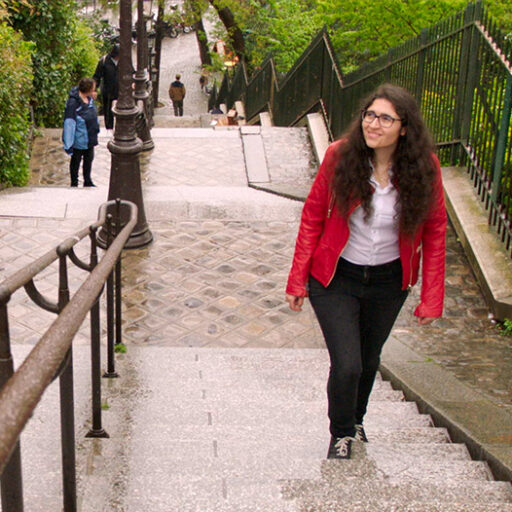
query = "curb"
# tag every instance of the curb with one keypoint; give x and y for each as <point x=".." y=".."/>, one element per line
<point x="470" y="417"/>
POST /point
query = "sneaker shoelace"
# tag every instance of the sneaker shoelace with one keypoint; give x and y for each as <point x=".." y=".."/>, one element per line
<point x="360" y="434"/>
<point x="342" y="445"/>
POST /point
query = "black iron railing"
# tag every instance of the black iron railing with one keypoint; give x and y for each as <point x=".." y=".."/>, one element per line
<point x="52" y="356"/>
<point x="460" y="70"/>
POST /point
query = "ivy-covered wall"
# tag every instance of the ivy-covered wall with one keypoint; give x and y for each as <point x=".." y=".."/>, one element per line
<point x="15" y="95"/>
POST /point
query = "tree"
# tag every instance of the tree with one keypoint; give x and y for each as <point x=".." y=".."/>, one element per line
<point x="235" y="34"/>
<point x="283" y="29"/>
<point x="231" y="14"/>
<point x="360" y="30"/>
<point x="57" y="58"/>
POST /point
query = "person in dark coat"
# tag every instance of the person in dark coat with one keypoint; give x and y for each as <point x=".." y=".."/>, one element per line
<point x="81" y="128"/>
<point x="107" y="78"/>
<point x="177" y="94"/>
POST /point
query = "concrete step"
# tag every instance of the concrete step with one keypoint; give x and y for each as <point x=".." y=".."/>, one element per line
<point x="258" y="501"/>
<point x="334" y="493"/>
<point x="200" y="494"/>
<point x="303" y="462"/>
<point x="412" y="507"/>
<point x="236" y="450"/>
<point x="164" y="118"/>
<point x="201" y="430"/>
<point x="295" y="416"/>
<point x="407" y="435"/>
<point x="314" y="391"/>
<point x="422" y="469"/>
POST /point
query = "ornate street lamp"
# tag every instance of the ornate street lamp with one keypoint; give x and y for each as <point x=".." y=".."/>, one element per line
<point x="142" y="94"/>
<point x="125" y="147"/>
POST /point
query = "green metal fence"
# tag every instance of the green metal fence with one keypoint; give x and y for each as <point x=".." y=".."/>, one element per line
<point x="463" y="81"/>
<point x="459" y="70"/>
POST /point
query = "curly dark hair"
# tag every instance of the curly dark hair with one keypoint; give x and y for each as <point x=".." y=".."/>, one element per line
<point x="413" y="168"/>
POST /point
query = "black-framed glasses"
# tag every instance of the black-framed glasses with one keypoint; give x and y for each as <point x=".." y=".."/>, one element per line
<point x="385" y="120"/>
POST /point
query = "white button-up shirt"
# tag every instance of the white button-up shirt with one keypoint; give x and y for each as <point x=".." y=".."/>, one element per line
<point x="375" y="242"/>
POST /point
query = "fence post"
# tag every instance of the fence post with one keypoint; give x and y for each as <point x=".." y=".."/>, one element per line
<point x="471" y="66"/>
<point x="12" y="483"/>
<point x="117" y="283"/>
<point x="111" y="365"/>
<point x="465" y="85"/>
<point x="96" y="429"/>
<point x="67" y="407"/>
<point x="501" y="143"/>
<point x="422" y="57"/>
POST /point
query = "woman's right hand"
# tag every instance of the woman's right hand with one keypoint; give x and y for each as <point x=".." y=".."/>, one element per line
<point x="294" y="302"/>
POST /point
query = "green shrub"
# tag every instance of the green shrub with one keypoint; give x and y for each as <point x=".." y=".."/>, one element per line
<point x="50" y="25"/>
<point x="506" y="327"/>
<point x="15" y="94"/>
<point x="84" y="52"/>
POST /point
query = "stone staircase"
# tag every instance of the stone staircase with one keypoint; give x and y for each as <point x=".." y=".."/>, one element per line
<point x="237" y="429"/>
<point x="164" y="118"/>
<point x="225" y="430"/>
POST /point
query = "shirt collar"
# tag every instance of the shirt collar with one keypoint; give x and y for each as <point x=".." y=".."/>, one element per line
<point x="376" y="184"/>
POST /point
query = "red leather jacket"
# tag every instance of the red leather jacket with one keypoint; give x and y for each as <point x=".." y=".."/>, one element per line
<point x="323" y="234"/>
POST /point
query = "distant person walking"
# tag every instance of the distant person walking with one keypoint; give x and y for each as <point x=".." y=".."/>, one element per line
<point x="177" y="94"/>
<point x="107" y="79"/>
<point x="81" y="127"/>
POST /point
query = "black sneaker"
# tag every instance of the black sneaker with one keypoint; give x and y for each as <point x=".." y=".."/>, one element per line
<point x="360" y="434"/>
<point x="91" y="184"/>
<point x="340" y="448"/>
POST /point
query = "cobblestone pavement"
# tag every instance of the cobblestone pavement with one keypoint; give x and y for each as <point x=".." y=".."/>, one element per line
<point x="190" y="157"/>
<point x="465" y="341"/>
<point x="185" y="61"/>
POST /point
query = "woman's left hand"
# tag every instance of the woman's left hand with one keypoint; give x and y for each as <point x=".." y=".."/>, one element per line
<point x="425" y="320"/>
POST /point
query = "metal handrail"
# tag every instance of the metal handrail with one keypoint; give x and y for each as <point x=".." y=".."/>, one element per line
<point x="21" y="393"/>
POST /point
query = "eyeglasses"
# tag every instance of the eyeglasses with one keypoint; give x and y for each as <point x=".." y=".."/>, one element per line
<point x="385" y="120"/>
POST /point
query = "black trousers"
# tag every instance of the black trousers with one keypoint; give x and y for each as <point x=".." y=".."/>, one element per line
<point x="107" y="112"/>
<point x="356" y="313"/>
<point x="178" y="107"/>
<point x="88" y="156"/>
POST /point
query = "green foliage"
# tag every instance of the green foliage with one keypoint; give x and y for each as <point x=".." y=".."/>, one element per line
<point x="500" y="11"/>
<point x="52" y="27"/>
<point x="284" y="28"/>
<point x="15" y="93"/>
<point x="361" y="30"/>
<point x="84" y="53"/>
<point x="506" y="327"/>
<point x="120" y="348"/>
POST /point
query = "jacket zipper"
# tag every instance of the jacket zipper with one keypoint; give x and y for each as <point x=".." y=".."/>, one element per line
<point x="331" y="205"/>
<point x="409" y="286"/>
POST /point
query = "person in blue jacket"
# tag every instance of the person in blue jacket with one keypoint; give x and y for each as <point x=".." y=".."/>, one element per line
<point x="81" y="128"/>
